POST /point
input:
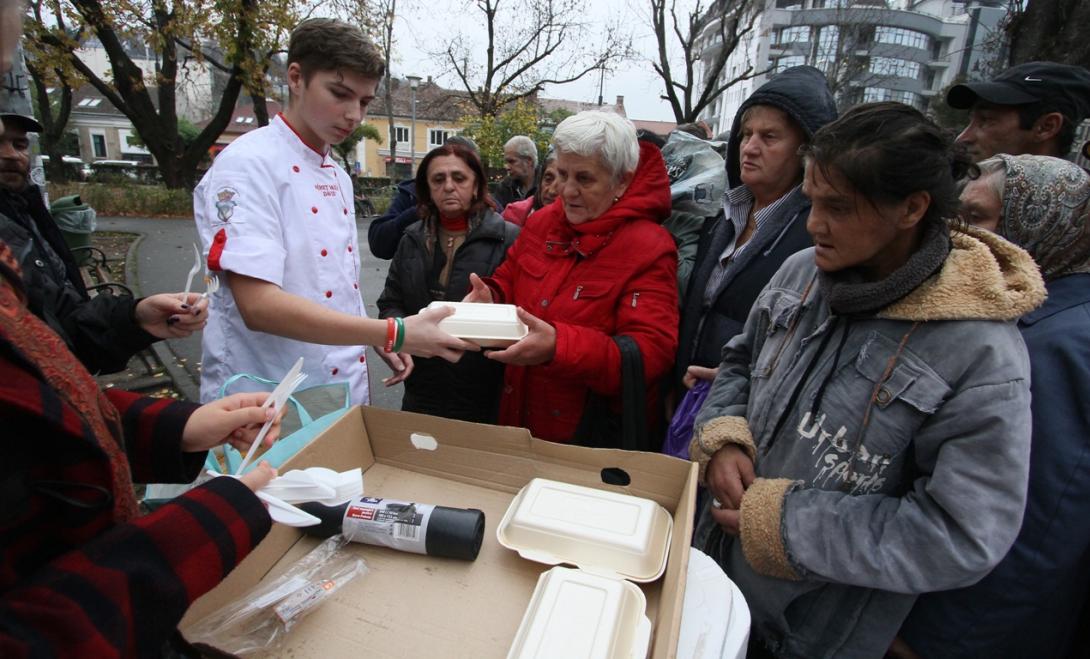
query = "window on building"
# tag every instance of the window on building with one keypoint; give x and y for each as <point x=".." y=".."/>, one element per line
<point x="828" y="40"/>
<point x="783" y="63"/>
<point x="89" y="103"/>
<point x="401" y="134"/>
<point x="902" y="37"/>
<point x="909" y="98"/>
<point x="788" y="4"/>
<point x="793" y="34"/>
<point x="98" y="144"/>
<point x="892" y="66"/>
<point x="125" y="138"/>
<point x="437" y="137"/>
<point x="875" y="94"/>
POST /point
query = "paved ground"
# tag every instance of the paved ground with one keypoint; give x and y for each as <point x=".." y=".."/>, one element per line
<point x="163" y="259"/>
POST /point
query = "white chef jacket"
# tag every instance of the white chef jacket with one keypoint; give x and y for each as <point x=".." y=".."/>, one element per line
<point x="274" y="209"/>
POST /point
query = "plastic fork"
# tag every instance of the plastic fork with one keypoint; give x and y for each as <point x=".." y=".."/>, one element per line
<point x="281" y="511"/>
<point x="277" y="401"/>
<point x="279" y="396"/>
<point x="212" y="284"/>
<point x="192" y="272"/>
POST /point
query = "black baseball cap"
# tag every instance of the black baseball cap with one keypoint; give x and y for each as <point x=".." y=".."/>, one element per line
<point x="1068" y="87"/>
<point x="26" y="122"/>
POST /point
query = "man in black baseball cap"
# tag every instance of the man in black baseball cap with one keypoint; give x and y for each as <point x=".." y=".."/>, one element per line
<point x="24" y="122"/>
<point x="1033" y="108"/>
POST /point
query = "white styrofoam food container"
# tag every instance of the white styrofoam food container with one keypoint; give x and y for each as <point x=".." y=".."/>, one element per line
<point x="606" y="533"/>
<point x="573" y="613"/>
<point x="613" y="539"/>
<point x="487" y="325"/>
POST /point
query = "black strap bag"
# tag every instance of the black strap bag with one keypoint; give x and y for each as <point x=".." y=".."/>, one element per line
<point x="601" y="427"/>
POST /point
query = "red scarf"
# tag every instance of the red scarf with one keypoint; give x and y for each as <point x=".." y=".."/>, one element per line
<point x="454" y="224"/>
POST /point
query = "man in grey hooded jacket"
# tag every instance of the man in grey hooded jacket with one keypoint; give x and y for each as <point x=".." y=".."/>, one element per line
<point x="763" y="220"/>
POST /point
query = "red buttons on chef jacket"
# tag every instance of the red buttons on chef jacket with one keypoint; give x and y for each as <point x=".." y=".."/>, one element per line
<point x="349" y="248"/>
<point x="329" y="293"/>
<point x="355" y="286"/>
<point x="346" y="211"/>
<point x="363" y="359"/>
<point x="325" y="253"/>
<point x="334" y="371"/>
<point x="314" y="209"/>
<point x="295" y="168"/>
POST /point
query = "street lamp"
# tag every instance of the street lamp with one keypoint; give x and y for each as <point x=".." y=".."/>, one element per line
<point x="414" y="82"/>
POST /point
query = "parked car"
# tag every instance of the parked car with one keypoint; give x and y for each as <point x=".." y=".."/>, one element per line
<point x="77" y="168"/>
<point x="105" y="170"/>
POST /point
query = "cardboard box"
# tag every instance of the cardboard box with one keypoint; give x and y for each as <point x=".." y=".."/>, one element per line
<point x="420" y="606"/>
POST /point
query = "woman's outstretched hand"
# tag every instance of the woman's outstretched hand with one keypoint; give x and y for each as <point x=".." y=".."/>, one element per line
<point x="480" y="292"/>
<point x="537" y="347"/>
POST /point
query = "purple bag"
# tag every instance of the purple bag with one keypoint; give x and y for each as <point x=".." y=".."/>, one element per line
<point x="680" y="432"/>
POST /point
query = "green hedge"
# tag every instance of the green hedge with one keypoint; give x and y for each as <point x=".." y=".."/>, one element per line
<point x="119" y="199"/>
<point x="134" y="199"/>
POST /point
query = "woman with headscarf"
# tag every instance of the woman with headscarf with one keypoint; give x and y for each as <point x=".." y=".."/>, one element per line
<point x="1029" y="605"/>
<point x="867" y="436"/>
<point x="592" y="267"/>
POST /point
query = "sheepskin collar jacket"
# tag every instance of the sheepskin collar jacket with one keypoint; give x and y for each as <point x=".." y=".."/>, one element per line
<point x="891" y="449"/>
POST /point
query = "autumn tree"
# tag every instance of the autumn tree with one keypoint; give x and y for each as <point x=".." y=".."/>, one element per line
<point x="492" y="132"/>
<point x="182" y="35"/>
<point x="273" y="23"/>
<point x="376" y="18"/>
<point x="1050" y="30"/>
<point x="528" y="44"/>
<point x="720" y="25"/>
<point x="387" y="9"/>
<point x="346" y="149"/>
<point x="51" y="110"/>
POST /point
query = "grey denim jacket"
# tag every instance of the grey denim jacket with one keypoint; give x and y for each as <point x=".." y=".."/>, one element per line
<point x="908" y="477"/>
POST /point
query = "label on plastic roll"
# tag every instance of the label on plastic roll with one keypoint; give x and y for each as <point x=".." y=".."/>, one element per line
<point x="401" y="525"/>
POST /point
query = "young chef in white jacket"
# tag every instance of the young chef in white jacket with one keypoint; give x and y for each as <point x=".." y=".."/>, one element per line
<point x="275" y="214"/>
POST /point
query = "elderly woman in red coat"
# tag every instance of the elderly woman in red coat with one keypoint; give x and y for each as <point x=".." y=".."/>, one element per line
<point x="582" y="271"/>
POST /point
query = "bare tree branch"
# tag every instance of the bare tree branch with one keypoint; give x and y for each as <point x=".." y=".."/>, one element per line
<point x="529" y="45"/>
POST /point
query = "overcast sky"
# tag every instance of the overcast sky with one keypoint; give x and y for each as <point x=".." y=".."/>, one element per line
<point x="419" y="30"/>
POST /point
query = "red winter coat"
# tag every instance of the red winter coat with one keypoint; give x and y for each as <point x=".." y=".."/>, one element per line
<point x="615" y="274"/>
<point x="517" y="212"/>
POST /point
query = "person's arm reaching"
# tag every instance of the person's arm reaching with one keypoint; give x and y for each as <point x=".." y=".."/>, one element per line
<point x="265" y="307"/>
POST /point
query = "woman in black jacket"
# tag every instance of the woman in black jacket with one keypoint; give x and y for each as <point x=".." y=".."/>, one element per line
<point x="459" y="233"/>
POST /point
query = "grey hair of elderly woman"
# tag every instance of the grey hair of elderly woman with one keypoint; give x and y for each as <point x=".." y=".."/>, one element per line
<point x="605" y="135"/>
<point x="1046" y="210"/>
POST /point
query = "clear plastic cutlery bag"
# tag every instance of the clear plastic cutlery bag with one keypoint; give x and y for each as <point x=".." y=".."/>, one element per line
<point x="260" y="620"/>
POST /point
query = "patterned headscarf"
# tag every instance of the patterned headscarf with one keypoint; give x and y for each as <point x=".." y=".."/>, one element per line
<point x="1046" y="211"/>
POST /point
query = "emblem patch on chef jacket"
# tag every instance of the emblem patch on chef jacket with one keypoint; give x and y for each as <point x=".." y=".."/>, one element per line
<point x="225" y="203"/>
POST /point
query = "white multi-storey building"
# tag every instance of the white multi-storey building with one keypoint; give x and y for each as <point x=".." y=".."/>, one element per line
<point x="871" y="50"/>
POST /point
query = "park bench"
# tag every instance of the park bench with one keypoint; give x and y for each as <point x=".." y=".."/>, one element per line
<point x="145" y="372"/>
<point x="95" y="271"/>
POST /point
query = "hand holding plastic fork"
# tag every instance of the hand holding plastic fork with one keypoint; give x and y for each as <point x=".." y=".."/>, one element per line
<point x="277" y="399"/>
<point x="211" y="282"/>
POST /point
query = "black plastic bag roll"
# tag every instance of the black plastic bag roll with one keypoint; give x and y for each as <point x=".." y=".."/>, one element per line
<point x="419" y="528"/>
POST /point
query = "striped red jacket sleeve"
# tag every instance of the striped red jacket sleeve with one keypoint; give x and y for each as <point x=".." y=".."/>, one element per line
<point x="152" y="428"/>
<point x="124" y="592"/>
